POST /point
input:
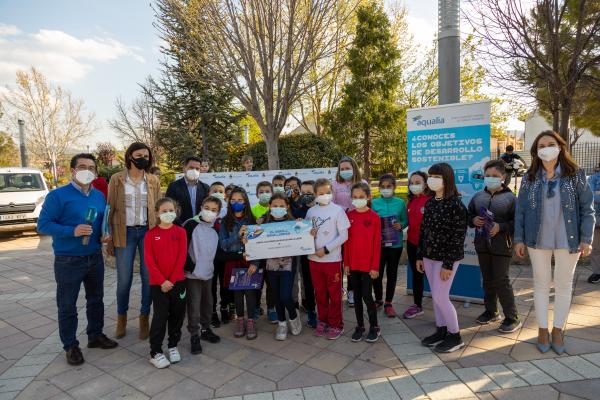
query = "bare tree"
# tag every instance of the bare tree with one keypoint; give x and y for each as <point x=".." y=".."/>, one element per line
<point x="261" y="50"/>
<point x="55" y="120"/>
<point x="543" y="48"/>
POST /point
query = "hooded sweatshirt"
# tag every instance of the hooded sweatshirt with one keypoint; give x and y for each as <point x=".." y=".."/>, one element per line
<point x="203" y="248"/>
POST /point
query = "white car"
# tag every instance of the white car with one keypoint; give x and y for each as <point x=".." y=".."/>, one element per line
<point x="22" y="193"/>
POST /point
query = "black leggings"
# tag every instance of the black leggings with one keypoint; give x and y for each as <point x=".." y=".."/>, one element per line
<point x="362" y="284"/>
<point x="282" y="284"/>
<point x="417" y="277"/>
<point x="224" y="292"/>
<point x="390" y="258"/>
<point x="169" y="313"/>
<point x="251" y="297"/>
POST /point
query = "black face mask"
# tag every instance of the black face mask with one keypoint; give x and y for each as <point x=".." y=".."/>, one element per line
<point x="307" y="199"/>
<point x="140" y="162"/>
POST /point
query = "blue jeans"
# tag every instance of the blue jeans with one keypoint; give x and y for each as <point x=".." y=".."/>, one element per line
<point x="282" y="284"/>
<point x="125" y="257"/>
<point x="70" y="272"/>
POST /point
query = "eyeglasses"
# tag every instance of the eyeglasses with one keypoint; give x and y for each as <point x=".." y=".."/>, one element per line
<point x="551" y="186"/>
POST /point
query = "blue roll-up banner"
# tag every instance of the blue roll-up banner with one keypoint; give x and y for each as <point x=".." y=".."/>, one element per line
<point x="457" y="134"/>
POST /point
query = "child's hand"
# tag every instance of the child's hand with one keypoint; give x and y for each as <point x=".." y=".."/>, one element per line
<point x="478" y="221"/>
<point x="244" y="240"/>
<point x="445" y="274"/>
<point x="313" y="232"/>
<point x="495" y="229"/>
<point x="259" y="221"/>
<point x="347" y="270"/>
<point x="397" y="226"/>
<point x="243" y="230"/>
<point x="251" y="269"/>
<point x="374" y="274"/>
<point x="320" y="253"/>
<point x="420" y="267"/>
<point x="166" y="286"/>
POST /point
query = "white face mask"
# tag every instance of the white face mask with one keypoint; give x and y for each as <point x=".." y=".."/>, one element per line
<point x="416" y="188"/>
<point x="548" y="153"/>
<point x="359" y="203"/>
<point x="278" y="189"/>
<point x="85" y="177"/>
<point x="386" y="192"/>
<point x="218" y="195"/>
<point x="324" y="199"/>
<point x="208" y="216"/>
<point x="192" y="174"/>
<point x="168" y="217"/>
<point x="435" y="184"/>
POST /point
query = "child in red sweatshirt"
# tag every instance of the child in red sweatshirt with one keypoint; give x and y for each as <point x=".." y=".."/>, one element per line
<point x="165" y="251"/>
<point x="362" y="252"/>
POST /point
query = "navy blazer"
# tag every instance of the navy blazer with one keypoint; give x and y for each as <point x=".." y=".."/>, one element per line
<point x="178" y="191"/>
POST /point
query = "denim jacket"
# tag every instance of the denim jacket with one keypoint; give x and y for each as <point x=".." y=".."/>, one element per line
<point x="576" y="199"/>
<point x="231" y="241"/>
<point x="594" y="182"/>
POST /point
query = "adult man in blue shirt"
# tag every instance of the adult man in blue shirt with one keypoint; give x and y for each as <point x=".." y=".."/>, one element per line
<point x="72" y="215"/>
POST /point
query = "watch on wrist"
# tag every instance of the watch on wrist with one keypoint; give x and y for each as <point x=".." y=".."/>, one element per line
<point x="325" y="250"/>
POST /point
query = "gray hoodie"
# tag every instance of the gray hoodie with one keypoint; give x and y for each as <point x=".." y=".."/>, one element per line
<point x="202" y="250"/>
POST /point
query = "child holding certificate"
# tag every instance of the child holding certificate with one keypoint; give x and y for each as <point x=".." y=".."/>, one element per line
<point x="331" y="231"/>
<point x="361" y="259"/>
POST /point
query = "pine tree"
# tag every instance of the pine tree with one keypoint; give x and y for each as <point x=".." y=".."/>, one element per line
<point x="368" y="122"/>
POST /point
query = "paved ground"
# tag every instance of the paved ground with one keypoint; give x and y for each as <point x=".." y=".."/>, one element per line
<point x="492" y="366"/>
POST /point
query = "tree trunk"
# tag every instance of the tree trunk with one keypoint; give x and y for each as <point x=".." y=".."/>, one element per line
<point x="272" y="142"/>
<point x="367" y="154"/>
<point x="565" y="116"/>
<point x="54" y="170"/>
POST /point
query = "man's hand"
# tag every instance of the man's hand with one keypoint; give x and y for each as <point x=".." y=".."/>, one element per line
<point x="83" y="230"/>
<point x="478" y="222"/>
<point x="166" y="286"/>
<point x="495" y="229"/>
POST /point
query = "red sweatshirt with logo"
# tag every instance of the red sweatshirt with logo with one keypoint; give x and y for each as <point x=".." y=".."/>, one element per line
<point x="165" y="251"/>
<point x="362" y="250"/>
<point x="416" y="208"/>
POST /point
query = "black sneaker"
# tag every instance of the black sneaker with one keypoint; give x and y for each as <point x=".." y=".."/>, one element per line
<point x="487" y="316"/>
<point x="215" y="322"/>
<point x="451" y="343"/>
<point x="209" y="336"/>
<point x="510" y="325"/>
<point x="594" y="278"/>
<point x="374" y="333"/>
<point x="196" y="347"/>
<point x="102" y="342"/>
<point x="224" y="316"/>
<point x="74" y="356"/>
<point x="437" y="337"/>
<point x="357" y="336"/>
<point x="232" y="313"/>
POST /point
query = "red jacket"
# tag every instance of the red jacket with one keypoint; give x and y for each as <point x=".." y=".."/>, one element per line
<point x="362" y="250"/>
<point x="165" y="251"/>
<point x="100" y="184"/>
<point x="416" y="207"/>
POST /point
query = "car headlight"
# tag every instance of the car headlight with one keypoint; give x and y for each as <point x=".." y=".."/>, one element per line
<point x="40" y="200"/>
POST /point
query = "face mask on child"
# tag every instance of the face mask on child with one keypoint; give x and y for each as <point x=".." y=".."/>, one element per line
<point x="264" y="198"/>
<point x="492" y="182"/>
<point x="168" y="217"/>
<point x="346" y="174"/>
<point x="416" y="188"/>
<point x="435" y="184"/>
<point x="237" y="207"/>
<point x="359" y="203"/>
<point x="208" y="216"/>
<point x="324" y="199"/>
<point x="307" y="199"/>
<point x="386" y="192"/>
<point x="218" y="195"/>
<point x="278" y="212"/>
<point x="278" y="189"/>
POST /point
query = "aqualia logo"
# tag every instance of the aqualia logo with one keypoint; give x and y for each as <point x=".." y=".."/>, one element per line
<point x="426" y="122"/>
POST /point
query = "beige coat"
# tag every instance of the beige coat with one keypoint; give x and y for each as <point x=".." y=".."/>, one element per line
<point x="116" y="201"/>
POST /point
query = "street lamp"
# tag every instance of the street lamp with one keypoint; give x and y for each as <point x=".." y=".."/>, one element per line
<point x="449" y="51"/>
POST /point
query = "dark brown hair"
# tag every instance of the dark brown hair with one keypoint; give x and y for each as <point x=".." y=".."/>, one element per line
<point x="165" y="200"/>
<point x="426" y="190"/>
<point x="356" y="177"/>
<point x="568" y="166"/>
<point x="212" y="199"/>
<point x="447" y="173"/>
<point x="365" y="188"/>
<point x="133" y="147"/>
<point x="229" y="219"/>
<point x="498" y="165"/>
<point x="279" y="196"/>
<point x="264" y="184"/>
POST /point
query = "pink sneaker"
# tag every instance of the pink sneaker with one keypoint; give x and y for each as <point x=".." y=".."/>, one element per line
<point x="413" y="311"/>
<point x="321" y="329"/>
<point x="389" y="310"/>
<point x="334" y="333"/>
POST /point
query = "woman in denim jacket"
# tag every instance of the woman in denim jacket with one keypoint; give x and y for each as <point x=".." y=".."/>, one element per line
<point x="554" y="216"/>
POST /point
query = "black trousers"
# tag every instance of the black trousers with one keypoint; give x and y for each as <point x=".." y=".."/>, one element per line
<point x="282" y="284"/>
<point x="308" y="298"/>
<point x="390" y="258"/>
<point x="169" y="311"/>
<point x="496" y="284"/>
<point x="225" y="294"/>
<point x="417" y="277"/>
<point x="251" y="298"/>
<point x="363" y="287"/>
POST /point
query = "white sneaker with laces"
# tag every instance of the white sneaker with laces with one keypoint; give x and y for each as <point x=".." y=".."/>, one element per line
<point x="160" y="361"/>
<point x="174" y="355"/>
<point x="296" y="326"/>
<point x="281" y="332"/>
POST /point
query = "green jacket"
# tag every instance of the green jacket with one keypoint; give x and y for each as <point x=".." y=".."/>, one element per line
<point x="389" y="207"/>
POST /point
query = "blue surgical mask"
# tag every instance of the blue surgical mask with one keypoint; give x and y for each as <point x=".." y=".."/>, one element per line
<point x="492" y="182"/>
<point x="238" y="207"/>
<point x="346" y="174"/>
<point x="279" y="212"/>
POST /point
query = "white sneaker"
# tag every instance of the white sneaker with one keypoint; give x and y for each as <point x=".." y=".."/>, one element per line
<point x="351" y="298"/>
<point x="281" y="332"/>
<point x="296" y="326"/>
<point x="174" y="355"/>
<point x="160" y="361"/>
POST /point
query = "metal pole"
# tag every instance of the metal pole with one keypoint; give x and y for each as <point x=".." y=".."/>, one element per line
<point x="449" y="51"/>
<point x="24" y="161"/>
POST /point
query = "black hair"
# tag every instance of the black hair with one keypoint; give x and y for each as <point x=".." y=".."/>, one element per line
<point x="278" y="178"/>
<point x="426" y="191"/>
<point x="497" y="164"/>
<point x="212" y="199"/>
<point x="387" y="178"/>
<point x="79" y="156"/>
<point x="230" y="217"/>
<point x="365" y="188"/>
<point x="308" y="182"/>
<point x="133" y="147"/>
<point x="293" y="178"/>
<point x="447" y="173"/>
<point x="191" y="158"/>
<point x="217" y="183"/>
<point x="510" y="148"/>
